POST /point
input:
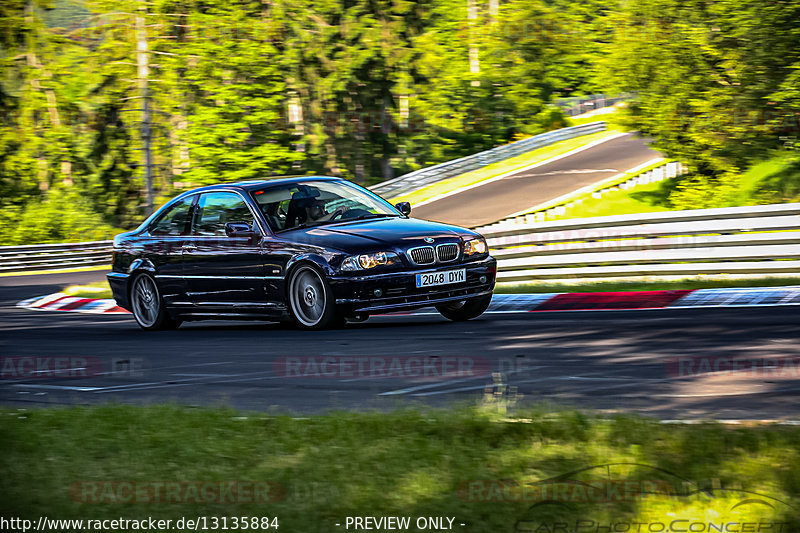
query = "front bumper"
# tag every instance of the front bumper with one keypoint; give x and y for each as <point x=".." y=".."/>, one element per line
<point x="356" y="294"/>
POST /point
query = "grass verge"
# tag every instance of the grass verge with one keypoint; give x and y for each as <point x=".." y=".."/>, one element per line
<point x="97" y="290"/>
<point x="466" y="463"/>
<point x="647" y="198"/>
<point x="584" y="195"/>
<point x="502" y="167"/>
<point x="55" y="271"/>
<point x="774" y="180"/>
<point x="644" y="285"/>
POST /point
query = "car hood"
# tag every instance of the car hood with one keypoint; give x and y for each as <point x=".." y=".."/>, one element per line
<point x="367" y="235"/>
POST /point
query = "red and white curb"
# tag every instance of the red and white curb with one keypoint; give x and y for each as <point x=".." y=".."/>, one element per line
<point x="516" y="303"/>
<point x="62" y="302"/>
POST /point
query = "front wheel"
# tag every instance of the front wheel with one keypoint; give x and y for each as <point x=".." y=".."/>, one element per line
<point x="311" y="300"/>
<point x="147" y="305"/>
<point x="465" y="309"/>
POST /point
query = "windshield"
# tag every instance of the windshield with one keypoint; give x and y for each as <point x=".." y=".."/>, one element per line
<point x="313" y="203"/>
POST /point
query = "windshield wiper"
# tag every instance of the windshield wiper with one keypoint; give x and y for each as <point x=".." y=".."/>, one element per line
<point x="373" y="215"/>
<point x="327" y="222"/>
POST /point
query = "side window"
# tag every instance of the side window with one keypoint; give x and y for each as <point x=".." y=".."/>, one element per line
<point x="215" y="209"/>
<point x="175" y="220"/>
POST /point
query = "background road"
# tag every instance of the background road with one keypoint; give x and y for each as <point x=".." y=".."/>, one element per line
<point x="611" y="361"/>
<point x="491" y="202"/>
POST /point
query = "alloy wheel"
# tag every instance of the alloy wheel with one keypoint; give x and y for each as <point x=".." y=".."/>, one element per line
<point x="308" y="296"/>
<point x="146" y="301"/>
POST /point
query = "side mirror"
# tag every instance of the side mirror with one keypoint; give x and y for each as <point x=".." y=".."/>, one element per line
<point x="239" y="229"/>
<point x="404" y="207"/>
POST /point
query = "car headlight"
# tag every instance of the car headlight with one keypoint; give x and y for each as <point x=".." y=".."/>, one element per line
<point x="367" y="261"/>
<point x="475" y="246"/>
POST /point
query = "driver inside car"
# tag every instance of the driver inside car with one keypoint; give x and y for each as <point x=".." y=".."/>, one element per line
<point x="304" y="208"/>
<point x="315" y="210"/>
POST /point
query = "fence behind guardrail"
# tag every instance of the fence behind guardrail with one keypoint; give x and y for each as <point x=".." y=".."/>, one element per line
<point x="55" y="256"/>
<point x="754" y="241"/>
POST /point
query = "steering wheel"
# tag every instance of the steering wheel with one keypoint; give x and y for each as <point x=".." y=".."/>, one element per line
<point x="342" y="211"/>
<point x="338" y="213"/>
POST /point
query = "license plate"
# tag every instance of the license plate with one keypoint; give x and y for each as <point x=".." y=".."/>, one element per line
<point x="442" y="278"/>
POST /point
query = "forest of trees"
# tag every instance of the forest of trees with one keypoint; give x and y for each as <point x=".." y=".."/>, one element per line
<point x="364" y="89"/>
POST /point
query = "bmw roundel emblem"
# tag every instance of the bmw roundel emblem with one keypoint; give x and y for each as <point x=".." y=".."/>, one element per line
<point x="429" y="240"/>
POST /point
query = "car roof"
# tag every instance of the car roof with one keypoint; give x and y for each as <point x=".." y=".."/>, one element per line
<point x="257" y="184"/>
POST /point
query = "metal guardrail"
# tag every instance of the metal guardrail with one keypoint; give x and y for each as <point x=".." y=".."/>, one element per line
<point x="429" y="175"/>
<point x="55" y="256"/>
<point x="734" y="240"/>
<point x="756" y="240"/>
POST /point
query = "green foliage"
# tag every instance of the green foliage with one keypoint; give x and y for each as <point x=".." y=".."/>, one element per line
<point x="775" y="180"/>
<point x="371" y="89"/>
<point x="716" y="83"/>
<point x="63" y="215"/>
<point x="243" y="89"/>
<point x="551" y="118"/>
<point x="700" y="192"/>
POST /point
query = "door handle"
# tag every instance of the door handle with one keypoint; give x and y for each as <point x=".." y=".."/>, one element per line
<point x="189" y="247"/>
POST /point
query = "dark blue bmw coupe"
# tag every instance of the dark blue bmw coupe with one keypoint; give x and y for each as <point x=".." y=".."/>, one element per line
<point x="313" y="251"/>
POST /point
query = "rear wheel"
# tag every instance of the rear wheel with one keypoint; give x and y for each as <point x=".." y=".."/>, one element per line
<point x="147" y="305"/>
<point x="465" y="309"/>
<point x="311" y="300"/>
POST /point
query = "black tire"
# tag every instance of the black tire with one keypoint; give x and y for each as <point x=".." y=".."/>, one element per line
<point x="311" y="300"/>
<point x="357" y="318"/>
<point x="147" y="305"/>
<point x="465" y="309"/>
<point x="287" y="323"/>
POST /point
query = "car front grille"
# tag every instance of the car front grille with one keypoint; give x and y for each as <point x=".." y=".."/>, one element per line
<point x="422" y="255"/>
<point x="447" y="252"/>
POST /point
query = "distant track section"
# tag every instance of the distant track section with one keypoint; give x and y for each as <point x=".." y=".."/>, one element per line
<point x="498" y="198"/>
<point x="429" y="175"/>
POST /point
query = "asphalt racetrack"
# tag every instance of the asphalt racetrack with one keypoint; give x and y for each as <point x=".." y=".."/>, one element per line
<point x="498" y="199"/>
<point x="610" y="361"/>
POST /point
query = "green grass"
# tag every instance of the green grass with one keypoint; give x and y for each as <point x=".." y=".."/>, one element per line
<point x="406" y="463"/>
<point x="502" y="167"/>
<point x="644" y="285"/>
<point x="55" y="271"/>
<point x="641" y="199"/>
<point x="98" y="290"/>
<point x="585" y="203"/>
<point x="774" y="180"/>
